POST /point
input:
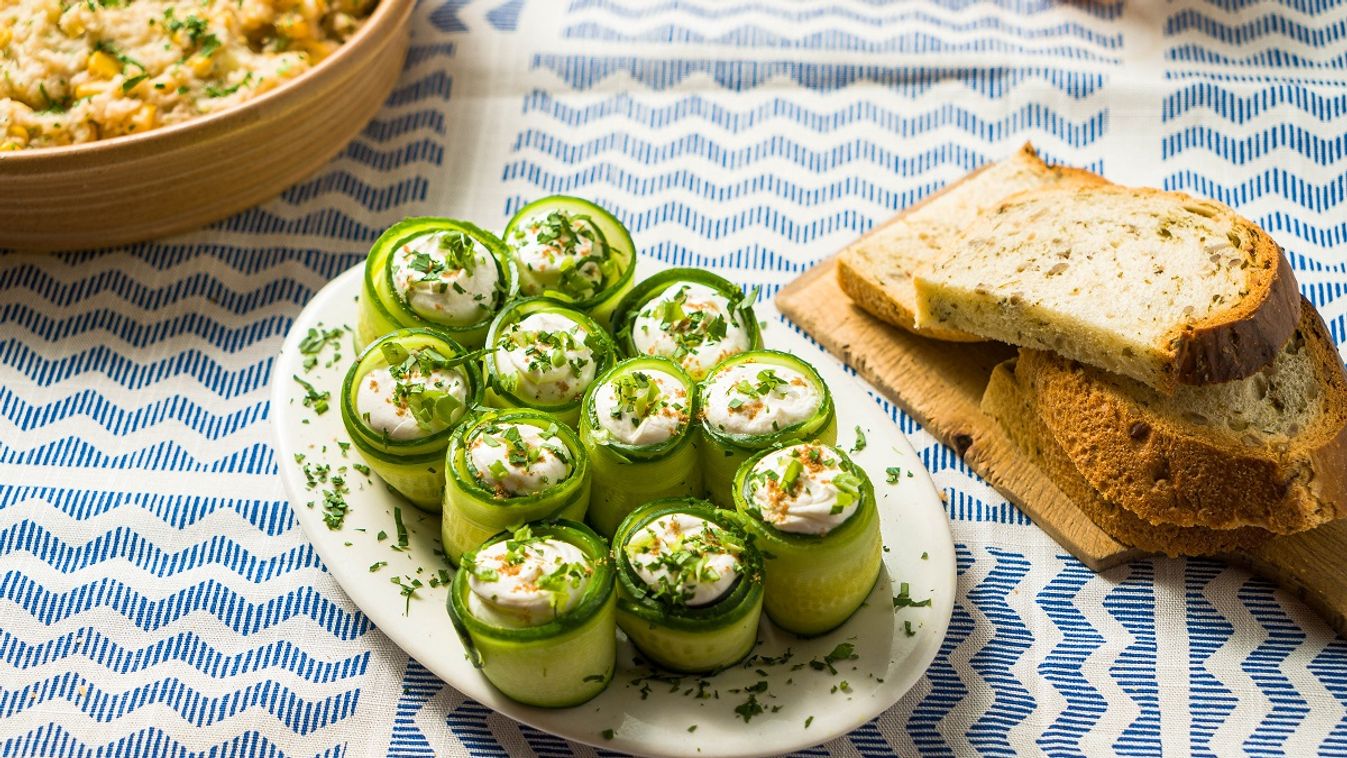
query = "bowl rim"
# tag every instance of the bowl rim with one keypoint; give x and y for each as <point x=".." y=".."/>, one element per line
<point x="387" y="16"/>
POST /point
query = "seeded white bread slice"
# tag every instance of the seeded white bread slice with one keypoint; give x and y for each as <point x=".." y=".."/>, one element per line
<point x="1158" y="286"/>
<point x="1010" y="403"/>
<point x="1268" y="451"/>
<point x="876" y="270"/>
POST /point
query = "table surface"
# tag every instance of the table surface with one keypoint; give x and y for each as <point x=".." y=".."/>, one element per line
<point x="159" y="598"/>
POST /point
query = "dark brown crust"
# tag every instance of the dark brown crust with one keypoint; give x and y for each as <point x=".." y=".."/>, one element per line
<point x="1009" y="402"/>
<point x="1237" y="343"/>
<point x="870" y="295"/>
<point x="1167" y="471"/>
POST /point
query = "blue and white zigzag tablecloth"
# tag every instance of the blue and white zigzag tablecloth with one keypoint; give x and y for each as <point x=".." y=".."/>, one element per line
<point x="157" y="596"/>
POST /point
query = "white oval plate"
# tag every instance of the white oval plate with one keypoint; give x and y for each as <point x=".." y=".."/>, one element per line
<point x="804" y="702"/>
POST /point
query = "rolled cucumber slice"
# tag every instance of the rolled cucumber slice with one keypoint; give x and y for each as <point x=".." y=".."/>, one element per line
<point x="815" y="582"/>
<point x="414" y="467"/>
<point x="611" y="254"/>
<point x="628" y="475"/>
<point x="723" y="452"/>
<point x="473" y="513"/>
<point x="505" y="387"/>
<point x="558" y="664"/>
<point x="383" y="308"/>
<point x="676" y="636"/>
<point x="688" y="352"/>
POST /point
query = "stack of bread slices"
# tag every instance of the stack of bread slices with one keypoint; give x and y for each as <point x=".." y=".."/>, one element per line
<point x="1170" y="379"/>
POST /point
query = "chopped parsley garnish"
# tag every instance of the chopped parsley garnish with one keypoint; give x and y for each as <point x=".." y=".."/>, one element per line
<point x="907" y="628"/>
<point x="377" y="565"/>
<point x="749" y="708"/>
<point x="768" y="382"/>
<point x="545" y="350"/>
<point x="130" y="83"/>
<point x="681" y="562"/>
<point x="690" y="325"/>
<point x="402" y="530"/>
<point x="860" y="440"/>
<point x="808" y="721"/>
<point x="213" y="90"/>
<point x="638" y="396"/>
<point x="334" y="503"/>
<point x="407" y="590"/>
<point x="845" y="651"/>
<point x="313" y="398"/>
<point x="607" y="734"/>
<point x="892" y="474"/>
<point x="904" y="600"/>
<point x="418" y="389"/>
<point x="315" y="341"/>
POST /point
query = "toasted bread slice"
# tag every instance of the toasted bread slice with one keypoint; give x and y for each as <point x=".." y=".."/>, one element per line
<point x="876" y="270"/>
<point x="1267" y="451"/>
<point x="1011" y="404"/>
<point x="1158" y="286"/>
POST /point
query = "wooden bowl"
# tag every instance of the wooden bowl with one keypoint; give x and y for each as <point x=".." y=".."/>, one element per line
<point x="179" y="177"/>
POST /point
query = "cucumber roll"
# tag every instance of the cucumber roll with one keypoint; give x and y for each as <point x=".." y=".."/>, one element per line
<point x="574" y="251"/>
<point x="813" y="513"/>
<point x="689" y="315"/>
<point x="401" y="401"/>
<point x="435" y="272"/>
<point x="636" y="425"/>
<point x="535" y="608"/>
<point x="690" y="585"/>
<point x="542" y="354"/>
<point x="506" y="468"/>
<point x="754" y="401"/>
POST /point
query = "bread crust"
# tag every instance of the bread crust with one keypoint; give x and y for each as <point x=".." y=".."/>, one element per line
<point x="1166" y="471"/>
<point x="1241" y="341"/>
<point x="870" y="293"/>
<point x="1009" y="402"/>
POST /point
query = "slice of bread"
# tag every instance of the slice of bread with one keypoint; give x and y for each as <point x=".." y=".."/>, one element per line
<point x="876" y="270"/>
<point x="1158" y="286"/>
<point x="1009" y="402"/>
<point x="1267" y="451"/>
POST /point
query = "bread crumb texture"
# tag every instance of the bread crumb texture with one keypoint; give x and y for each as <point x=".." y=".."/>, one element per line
<point x="1104" y="274"/>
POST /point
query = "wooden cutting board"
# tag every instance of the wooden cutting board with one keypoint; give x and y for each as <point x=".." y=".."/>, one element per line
<point x="940" y="384"/>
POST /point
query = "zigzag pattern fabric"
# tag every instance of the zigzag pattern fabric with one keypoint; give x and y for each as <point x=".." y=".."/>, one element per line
<point x="159" y="598"/>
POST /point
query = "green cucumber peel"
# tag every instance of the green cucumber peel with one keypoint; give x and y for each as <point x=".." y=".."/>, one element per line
<point x="422" y="449"/>
<point x="592" y="432"/>
<point x="597" y="339"/>
<point x="596" y="593"/>
<point x="801" y="431"/>
<point x="469" y="507"/>
<point x="381" y="296"/>
<point x="741" y="304"/>
<point x="843" y="564"/>
<point x="777" y="542"/>
<point x="618" y="267"/>
<point x="638" y="600"/>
